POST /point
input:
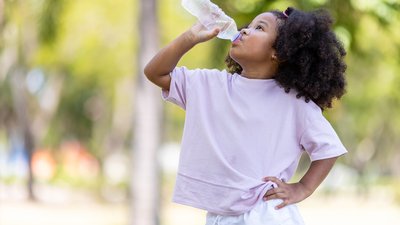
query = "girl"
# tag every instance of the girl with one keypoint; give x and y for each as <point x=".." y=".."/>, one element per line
<point x="246" y="129"/>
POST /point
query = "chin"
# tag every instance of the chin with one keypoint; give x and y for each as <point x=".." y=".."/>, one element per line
<point x="235" y="58"/>
<point x="234" y="55"/>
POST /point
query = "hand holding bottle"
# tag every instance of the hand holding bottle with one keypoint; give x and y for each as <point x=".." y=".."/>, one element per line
<point x="211" y="16"/>
<point x="199" y="33"/>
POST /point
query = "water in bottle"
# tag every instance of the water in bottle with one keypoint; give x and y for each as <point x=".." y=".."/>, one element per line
<point x="211" y="16"/>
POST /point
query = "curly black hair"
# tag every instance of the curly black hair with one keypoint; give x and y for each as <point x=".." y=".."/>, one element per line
<point x="310" y="56"/>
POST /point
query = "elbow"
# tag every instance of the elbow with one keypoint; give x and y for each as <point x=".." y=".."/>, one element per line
<point x="150" y="74"/>
<point x="147" y="71"/>
<point x="153" y="73"/>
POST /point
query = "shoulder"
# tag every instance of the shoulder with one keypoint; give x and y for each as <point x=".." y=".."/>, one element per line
<point x="201" y="74"/>
<point x="199" y="71"/>
<point x="299" y="103"/>
<point x="305" y="110"/>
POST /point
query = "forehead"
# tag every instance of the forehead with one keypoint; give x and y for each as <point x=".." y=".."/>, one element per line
<point x="266" y="17"/>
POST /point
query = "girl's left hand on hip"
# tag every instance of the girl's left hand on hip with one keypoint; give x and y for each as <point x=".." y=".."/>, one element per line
<point x="289" y="193"/>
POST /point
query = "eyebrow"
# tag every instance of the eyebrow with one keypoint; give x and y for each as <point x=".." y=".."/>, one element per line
<point x="261" y="21"/>
<point x="264" y="22"/>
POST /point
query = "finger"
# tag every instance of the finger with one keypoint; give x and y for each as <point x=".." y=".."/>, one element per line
<point x="275" y="196"/>
<point x="270" y="197"/>
<point x="273" y="179"/>
<point x="283" y="204"/>
<point x="274" y="191"/>
<point x="280" y="195"/>
<point x="209" y="34"/>
<point x="215" y="32"/>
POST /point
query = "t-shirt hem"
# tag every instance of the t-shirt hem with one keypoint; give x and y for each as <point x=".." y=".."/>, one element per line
<point x="321" y="157"/>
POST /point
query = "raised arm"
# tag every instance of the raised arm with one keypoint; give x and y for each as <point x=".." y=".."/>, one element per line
<point x="159" y="67"/>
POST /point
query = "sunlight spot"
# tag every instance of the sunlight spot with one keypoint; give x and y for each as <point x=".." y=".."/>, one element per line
<point x="245" y="5"/>
<point x="319" y="2"/>
<point x="344" y="36"/>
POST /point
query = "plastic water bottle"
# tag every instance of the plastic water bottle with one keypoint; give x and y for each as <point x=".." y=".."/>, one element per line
<point x="211" y="16"/>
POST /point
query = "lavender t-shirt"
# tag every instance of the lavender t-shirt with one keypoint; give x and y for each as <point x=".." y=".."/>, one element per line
<point x="237" y="131"/>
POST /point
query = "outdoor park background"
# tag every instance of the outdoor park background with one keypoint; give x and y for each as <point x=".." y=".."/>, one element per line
<point x="85" y="140"/>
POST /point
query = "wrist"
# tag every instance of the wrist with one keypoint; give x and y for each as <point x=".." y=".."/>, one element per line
<point x="307" y="191"/>
<point x="190" y="37"/>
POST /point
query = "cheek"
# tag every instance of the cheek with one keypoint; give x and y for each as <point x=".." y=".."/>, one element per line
<point x="255" y="48"/>
<point x="259" y="52"/>
<point x="264" y="49"/>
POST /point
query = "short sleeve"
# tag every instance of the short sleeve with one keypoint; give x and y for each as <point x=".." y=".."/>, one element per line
<point x="178" y="88"/>
<point x="320" y="140"/>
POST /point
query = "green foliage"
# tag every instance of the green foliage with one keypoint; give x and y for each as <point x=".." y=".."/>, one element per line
<point x="49" y="20"/>
<point x="73" y="119"/>
<point x="92" y="47"/>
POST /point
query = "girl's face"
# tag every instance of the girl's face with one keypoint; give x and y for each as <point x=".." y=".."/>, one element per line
<point x="254" y="45"/>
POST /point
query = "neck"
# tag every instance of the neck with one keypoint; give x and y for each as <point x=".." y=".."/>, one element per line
<point x="255" y="75"/>
<point x="266" y="72"/>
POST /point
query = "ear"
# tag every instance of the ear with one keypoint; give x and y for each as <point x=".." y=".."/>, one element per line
<point x="274" y="57"/>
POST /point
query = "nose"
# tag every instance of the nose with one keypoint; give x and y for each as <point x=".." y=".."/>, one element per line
<point x="245" y="31"/>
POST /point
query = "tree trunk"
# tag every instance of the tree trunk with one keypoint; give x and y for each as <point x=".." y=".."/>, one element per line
<point x="147" y="125"/>
<point x="15" y="65"/>
<point x="20" y="105"/>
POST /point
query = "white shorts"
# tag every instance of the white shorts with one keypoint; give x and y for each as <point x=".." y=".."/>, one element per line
<point x="264" y="213"/>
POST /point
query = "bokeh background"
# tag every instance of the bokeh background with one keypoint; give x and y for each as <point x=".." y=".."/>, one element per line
<point x="84" y="139"/>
